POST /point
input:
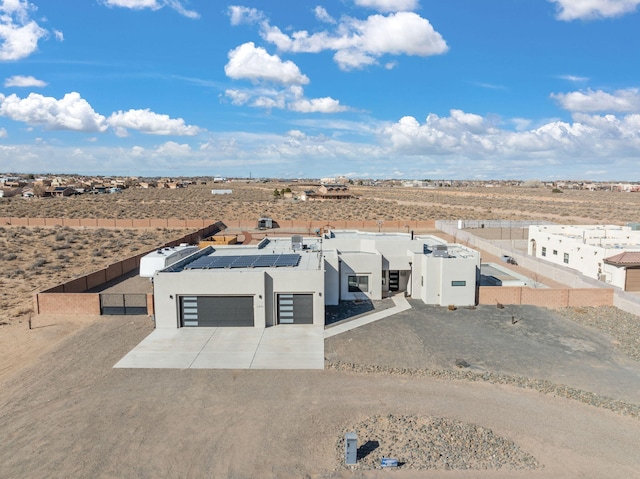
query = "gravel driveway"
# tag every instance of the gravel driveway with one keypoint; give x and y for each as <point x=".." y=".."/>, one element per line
<point x="524" y="341"/>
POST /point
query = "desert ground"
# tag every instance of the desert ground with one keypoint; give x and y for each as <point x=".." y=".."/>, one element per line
<point x="65" y="413"/>
<point x="250" y="201"/>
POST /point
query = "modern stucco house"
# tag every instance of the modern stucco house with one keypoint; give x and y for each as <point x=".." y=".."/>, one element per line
<point x="609" y="253"/>
<point x="290" y="280"/>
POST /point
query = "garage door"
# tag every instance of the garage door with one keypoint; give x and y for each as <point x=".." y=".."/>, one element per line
<point x="217" y="311"/>
<point x="295" y="309"/>
<point x="633" y="279"/>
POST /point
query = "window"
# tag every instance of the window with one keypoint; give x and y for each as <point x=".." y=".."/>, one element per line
<point x="544" y="251"/>
<point x="566" y="258"/>
<point x="458" y="283"/>
<point x="555" y="252"/>
<point x="358" y="284"/>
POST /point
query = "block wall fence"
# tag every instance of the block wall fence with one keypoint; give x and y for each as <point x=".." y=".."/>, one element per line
<point x="545" y="297"/>
<point x="176" y="223"/>
<point x="70" y="297"/>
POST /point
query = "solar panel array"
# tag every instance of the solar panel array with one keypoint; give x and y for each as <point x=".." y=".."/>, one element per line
<point x="245" y="261"/>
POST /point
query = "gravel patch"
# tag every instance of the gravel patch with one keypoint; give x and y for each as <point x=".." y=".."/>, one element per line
<point x="353" y="309"/>
<point x="425" y="442"/>
<point x="623" y="327"/>
<point x="546" y="387"/>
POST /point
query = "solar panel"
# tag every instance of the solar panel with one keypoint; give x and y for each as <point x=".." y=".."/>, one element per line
<point x="245" y="261"/>
<point x="287" y="260"/>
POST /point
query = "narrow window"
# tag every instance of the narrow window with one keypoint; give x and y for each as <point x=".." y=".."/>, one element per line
<point x="566" y="258"/>
<point x="555" y="252"/>
<point x="544" y="251"/>
<point x="458" y="283"/>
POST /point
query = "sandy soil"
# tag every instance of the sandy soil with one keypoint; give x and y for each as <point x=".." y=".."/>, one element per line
<point x="251" y="201"/>
<point x="72" y="415"/>
<point x="65" y="413"/>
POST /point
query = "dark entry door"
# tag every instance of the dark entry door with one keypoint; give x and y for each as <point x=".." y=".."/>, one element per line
<point x="394" y="280"/>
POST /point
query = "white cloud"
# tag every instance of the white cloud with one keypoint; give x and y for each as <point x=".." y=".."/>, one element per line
<point x="177" y="5"/>
<point x="574" y="78"/>
<point x="297" y="134"/>
<point x="237" y="97"/>
<point x="290" y="98"/>
<point x="322" y="15"/>
<point x="59" y="35"/>
<point x="19" y="35"/>
<point x="389" y="5"/>
<point x="3" y="133"/>
<point x="171" y="148"/>
<point x="625" y="101"/>
<point x="23" y="82"/>
<point x="269" y="103"/>
<point x="593" y="9"/>
<point x="317" y="105"/>
<point x="249" y="62"/>
<point x="466" y="139"/>
<point x="359" y="43"/>
<point x="146" y="121"/>
<point x="244" y="15"/>
<point x="69" y="113"/>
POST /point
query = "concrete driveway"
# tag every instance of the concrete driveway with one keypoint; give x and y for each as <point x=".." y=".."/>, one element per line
<point x="278" y="347"/>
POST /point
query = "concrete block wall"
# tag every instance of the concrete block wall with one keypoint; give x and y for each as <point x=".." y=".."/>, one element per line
<point x="63" y="299"/>
<point x="545" y="297"/>
<point x="67" y="303"/>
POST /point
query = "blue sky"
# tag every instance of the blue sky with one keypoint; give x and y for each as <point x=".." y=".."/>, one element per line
<point x="456" y="89"/>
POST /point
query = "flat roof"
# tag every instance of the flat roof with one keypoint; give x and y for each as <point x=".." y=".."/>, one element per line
<point x="269" y="253"/>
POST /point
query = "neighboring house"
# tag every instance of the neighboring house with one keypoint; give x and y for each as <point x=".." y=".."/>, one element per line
<point x="327" y="192"/>
<point x="60" y="191"/>
<point x="28" y="193"/>
<point x="594" y="250"/>
<point x="290" y="280"/>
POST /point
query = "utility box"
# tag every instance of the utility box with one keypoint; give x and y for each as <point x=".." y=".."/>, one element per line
<point x="350" y="448"/>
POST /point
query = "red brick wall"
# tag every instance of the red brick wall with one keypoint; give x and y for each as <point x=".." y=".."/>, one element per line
<point x="150" y="309"/>
<point x="68" y="303"/>
<point x="547" y="297"/>
<point x="96" y="279"/>
<point x="76" y="285"/>
<point x="113" y="271"/>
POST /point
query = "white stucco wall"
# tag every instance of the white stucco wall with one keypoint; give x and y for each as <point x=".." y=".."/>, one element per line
<point x="331" y="279"/>
<point x="168" y="287"/>
<point x="262" y="284"/>
<point x="587" y="247"/>
<point x="361" y="264"/>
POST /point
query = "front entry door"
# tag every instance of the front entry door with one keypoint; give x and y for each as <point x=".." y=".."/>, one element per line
<point x="394" y="280"/>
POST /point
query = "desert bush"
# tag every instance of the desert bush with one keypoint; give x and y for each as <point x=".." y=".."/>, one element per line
<point x="38" y="263"/>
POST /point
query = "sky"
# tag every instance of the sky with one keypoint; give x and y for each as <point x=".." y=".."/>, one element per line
<point x="414" y="89"/>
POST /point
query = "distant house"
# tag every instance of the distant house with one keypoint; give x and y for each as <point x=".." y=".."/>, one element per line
<point x="327" y="192"/>
<point x="28" y="193"/>
<point x="60" y="191"/>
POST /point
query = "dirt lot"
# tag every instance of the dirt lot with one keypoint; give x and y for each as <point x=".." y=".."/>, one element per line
<point x="250" y="201"/>
<point x="64" y="412"/>
<point x="71" y="415"/>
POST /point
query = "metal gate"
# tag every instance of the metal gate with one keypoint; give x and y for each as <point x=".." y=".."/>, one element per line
<point x="121" y="304"/>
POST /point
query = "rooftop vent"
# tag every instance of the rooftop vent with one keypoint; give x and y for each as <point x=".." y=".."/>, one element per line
<point x="441" y="251"/>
